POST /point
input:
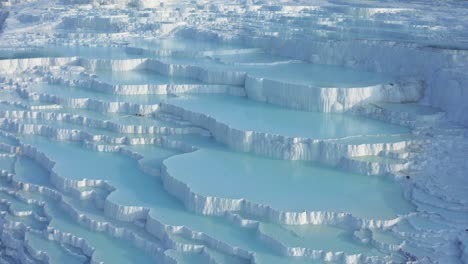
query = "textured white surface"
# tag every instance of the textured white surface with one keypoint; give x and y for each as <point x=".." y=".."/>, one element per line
<point x="422" y="47"/>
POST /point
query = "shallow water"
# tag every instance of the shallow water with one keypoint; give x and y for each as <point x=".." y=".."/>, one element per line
<point x="285" y="70"/>
<point x="27" y="170"/>
<point x="56" y="252"/>
<point x="140" y="77"/>
<point x="7" y="163"/>
<point x="287" y="186"/>
<point x="183" y="44"/>
<point x="249" y="115"/>
<point x="209" y="169"/>
<point x="115" y="168"/>
<point x="108" y="249"/>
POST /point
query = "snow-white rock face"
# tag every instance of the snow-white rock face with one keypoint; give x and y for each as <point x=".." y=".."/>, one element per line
<point x="135" y="131"/>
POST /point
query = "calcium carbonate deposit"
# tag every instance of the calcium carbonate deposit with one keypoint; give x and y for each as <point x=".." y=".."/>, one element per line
<point x="233" y="131"/>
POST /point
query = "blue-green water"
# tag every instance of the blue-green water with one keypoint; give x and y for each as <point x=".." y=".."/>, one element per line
<point x="207" y="167"/>
<point x="249" y="115"/>
<point x="287" y="186"/>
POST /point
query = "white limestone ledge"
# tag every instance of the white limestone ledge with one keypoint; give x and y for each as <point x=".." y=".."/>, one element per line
<point x="369" y="167"/>
<point x="310" y="98"/>
<point x="156" y="249"/>
<point x="196" y="72"/>
<point x="160" y="230"/>
<point x="20" y="65"/>
<point x="12" y="238"/>
<point x="42" y="256"/>
<point x="115" y="211"/>
<point x="303" y="97"/>
<point x="90" y="104"/>
<point x="219" y="206"/>
<point x="142" y="89"/>
<point x="318" y="254"/>
<point x="329" y="151"/>
<point x="134" y="50"/>
<point x="404" y="118"/>
<point x="112" y="65"/>
<point x="64" y="134"/>
<point x="90" y="139"/>
<point x="442" y="68"/>
<point x="99" y="124"/>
